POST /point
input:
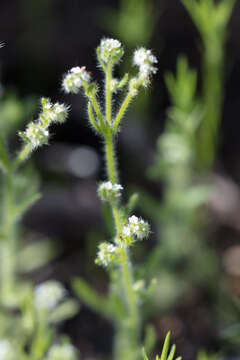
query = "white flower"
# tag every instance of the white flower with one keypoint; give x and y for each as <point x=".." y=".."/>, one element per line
<point x="136" y="228"/>
<point x="133" y="220"/>
<point x="52" y="112"/>
<point x="72" y="82"/>
<point x="6" y="351"/>
<point x="36" y="134"/>
<point x="47" y="295"/>
<point x="110" y="50"/>
<point x="144" y="59"/>
<point x="110" y="192"/>
<point x="106" y="254"/>
<point x="62" y="352"/>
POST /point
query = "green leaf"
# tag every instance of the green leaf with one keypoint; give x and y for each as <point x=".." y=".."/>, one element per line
<point x="145" y="357"/>
<point x="172" y="352"/>
<point x="166" y="347"/>
<point x="26" y="204"/>
<point x="132" y="202"/>
<point x="27" y="259"/>
<point x="91" y="298"/>
<point x="64" y="311"/>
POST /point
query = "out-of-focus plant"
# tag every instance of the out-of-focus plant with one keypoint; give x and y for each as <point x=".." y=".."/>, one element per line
<point x="133" y="22"/>
<point x="19" y="192"/>
<point x="33" y="336"/>
<point x="178" y="215"/>
<point x="26" y="314"/>
<point x="126" y="292"/>
<point x="211" y="19"/>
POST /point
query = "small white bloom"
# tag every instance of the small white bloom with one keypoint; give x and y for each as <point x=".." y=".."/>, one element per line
<point x="72" y="81"/>
<point x="144" y="59"/>
<point x="36" y="134"/>
<point x="110" y="50"/>
<point x="133" y="220"/>
<point x="6" y="350"/>
<point x="106" y="254"/>
<point x="110" y="192"/>
<point x="62" y="352"/>
<point x="48" y="294"/>
<point x="136" y="228"/>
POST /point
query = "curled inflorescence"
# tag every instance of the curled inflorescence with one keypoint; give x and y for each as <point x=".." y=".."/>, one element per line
<point x="37" y="132"/>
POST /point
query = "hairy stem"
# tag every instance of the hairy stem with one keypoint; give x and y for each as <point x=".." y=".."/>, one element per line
<point x="108" y="94"/>
<point x="8" y="246"/>
<point x="122" y="110"/>
<point x="132" y="330"/>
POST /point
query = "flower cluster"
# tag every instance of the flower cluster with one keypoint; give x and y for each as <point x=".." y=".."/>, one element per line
<point x="7" y="351"/>
<point x="37" y="133"/>
<point x="136" y="228"/>
<point x="48" y="295"/>
<point x="110" y="192"/>
<point x="73" y="80"/>
<point x="145" y="60"/>
<point x="62" y="352"/>
<point x="107" y="254"/>
<point x="111" y="50"/>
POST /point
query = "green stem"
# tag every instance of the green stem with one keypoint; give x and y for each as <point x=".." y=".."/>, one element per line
<point x="108" y="94"/>
<point x="22" y="155"/>
<point x="8" y="246"/>
<point x="132" y="330"/>
<point x="122" y="110"/>
<point x="97" y="108"/>
<point x="109" y="150"/>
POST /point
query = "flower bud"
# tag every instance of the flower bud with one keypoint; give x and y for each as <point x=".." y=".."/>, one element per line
<point x="73" y="80"/>
<point x="111" y="50"/>
<point x="110" y="192"/>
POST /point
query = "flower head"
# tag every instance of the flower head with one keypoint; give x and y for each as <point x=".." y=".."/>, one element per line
<point x="110" y="192"/>
<point x="36" y="135"/>
<point x="48" y="295"/>
<point x="136" y="228"/>
<point x="73" y="80"/>
<point x="107" y="254"/>
<point x="145" y="60"/>
<point x="111" y="50"/>
<point x="62" y="352"/>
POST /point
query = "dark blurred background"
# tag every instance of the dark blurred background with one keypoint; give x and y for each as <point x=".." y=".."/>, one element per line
<point x="45" y="38"/>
